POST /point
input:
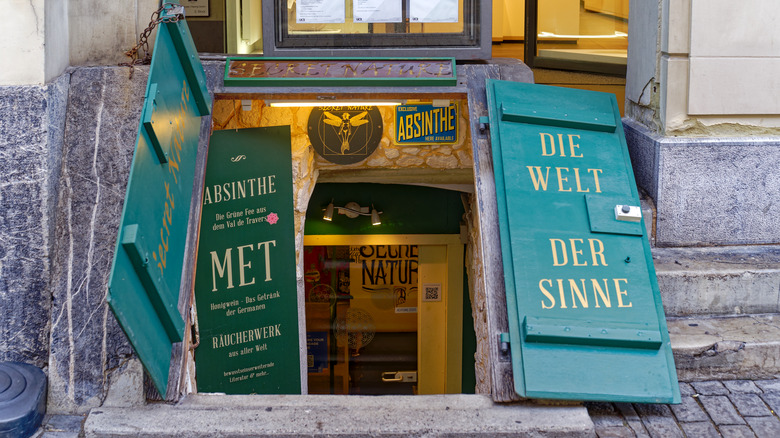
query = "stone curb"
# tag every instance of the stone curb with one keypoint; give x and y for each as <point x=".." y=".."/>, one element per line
<point x="705" y="348"/>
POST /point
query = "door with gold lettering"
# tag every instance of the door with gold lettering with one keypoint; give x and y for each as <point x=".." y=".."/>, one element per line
<point x="585" y="313"/>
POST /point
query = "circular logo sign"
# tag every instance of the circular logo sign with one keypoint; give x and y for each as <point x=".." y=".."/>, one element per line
<point x="345" y="134"/>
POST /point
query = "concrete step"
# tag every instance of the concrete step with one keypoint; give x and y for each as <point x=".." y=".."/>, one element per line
<point x="343" y="416"/>
<point x="719" y="280"/>
<point x="726" y="347"/>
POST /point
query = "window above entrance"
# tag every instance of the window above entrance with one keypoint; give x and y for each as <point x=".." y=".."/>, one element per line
<point x="430" y="26"/>
<point x="316" y="28"/>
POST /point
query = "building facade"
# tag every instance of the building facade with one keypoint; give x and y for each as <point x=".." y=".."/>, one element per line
<point x="701" y="122"/>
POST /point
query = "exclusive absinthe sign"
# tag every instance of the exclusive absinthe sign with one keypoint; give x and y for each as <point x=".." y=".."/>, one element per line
<point x="245" y="286"/>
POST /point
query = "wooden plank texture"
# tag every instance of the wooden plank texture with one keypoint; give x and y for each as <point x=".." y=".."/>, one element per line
<point x="489" y="291"/>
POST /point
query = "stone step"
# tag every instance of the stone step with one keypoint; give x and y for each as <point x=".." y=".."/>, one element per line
<point x="458" y="415"/>
<point x="726" y="347"/>
<point x="719" y="280"/>
<point x="723" y="280"/>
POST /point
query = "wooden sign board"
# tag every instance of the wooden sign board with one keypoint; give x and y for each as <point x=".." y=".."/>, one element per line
<point x="245" y="286"/>
<point x="339" y="72"/>
<point x="146" y="273"/>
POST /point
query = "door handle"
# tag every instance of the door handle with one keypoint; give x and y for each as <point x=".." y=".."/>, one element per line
<point x="399" y="376"/>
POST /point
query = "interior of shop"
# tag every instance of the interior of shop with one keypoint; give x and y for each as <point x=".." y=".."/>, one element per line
<point x="568" y="30"/>
<point x="370" y="329"/>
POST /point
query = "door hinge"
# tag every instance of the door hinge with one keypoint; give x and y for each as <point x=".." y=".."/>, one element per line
<point x="503" y="344"/>
<point x="484" y="124"/>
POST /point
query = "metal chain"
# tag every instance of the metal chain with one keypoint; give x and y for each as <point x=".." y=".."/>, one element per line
<point x="175" y="12"/>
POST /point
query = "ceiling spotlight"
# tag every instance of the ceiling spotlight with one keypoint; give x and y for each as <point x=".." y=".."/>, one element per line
<point x="352" y="210"/>
<point x="328" y="216"/>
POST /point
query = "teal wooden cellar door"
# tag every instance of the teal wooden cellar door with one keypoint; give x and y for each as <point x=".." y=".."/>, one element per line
<point x="585" y="314"/>
<point x="146" y="271"/>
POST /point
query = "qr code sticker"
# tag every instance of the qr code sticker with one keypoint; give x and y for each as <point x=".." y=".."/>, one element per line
<point x="431" y="292"/>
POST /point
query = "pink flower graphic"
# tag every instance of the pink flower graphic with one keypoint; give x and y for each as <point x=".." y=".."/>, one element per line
<point x="272" y="218"/>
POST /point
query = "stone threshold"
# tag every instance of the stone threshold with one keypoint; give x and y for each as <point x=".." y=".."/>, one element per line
<point x="458" y="415"/>
<point x="705" y="348"/>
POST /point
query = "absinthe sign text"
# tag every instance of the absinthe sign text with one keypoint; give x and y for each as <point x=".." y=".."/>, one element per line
<point x="245" y="287"/>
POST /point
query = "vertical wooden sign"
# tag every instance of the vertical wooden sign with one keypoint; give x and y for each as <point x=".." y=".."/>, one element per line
<point x="245" y="287"/>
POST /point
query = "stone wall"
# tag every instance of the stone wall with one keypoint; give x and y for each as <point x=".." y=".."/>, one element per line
<point x="478" y="297"/>
<point x="31" y="124"/>
<point x="88" y="348"/>
<point x="228" y="114"/>
<point x="709" y="191"/>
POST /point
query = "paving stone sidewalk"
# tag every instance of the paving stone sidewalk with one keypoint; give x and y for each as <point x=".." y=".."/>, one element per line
<point x="730" y="408"/>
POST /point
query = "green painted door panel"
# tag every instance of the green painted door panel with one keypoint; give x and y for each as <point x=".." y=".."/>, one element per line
<point x="147" y="267"/>
<point x="246" y="291"/>
<point x="585" y="315"/>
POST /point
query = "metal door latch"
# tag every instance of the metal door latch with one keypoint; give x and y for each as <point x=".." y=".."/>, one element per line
<point x="399" y="376"/>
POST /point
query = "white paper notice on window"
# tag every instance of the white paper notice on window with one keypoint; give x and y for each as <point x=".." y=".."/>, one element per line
<point x="433" y="11"/>
<point x="377" y="11"/>
<point x="320" y="11"/>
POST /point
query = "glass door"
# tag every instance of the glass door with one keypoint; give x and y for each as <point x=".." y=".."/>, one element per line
<point x="384" y="314"/>
<point x="581" y="35"/>
<point x="361" y="318"/>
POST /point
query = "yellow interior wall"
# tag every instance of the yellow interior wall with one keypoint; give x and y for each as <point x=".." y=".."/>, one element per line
<point x="439" y="342"/>
<point x="432" y="316"/>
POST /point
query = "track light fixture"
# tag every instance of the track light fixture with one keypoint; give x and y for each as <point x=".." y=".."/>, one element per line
<point x="352" y="210"/>
<point x="328" y="212"/>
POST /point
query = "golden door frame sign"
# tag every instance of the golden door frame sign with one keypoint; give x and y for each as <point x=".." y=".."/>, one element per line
<point x="345" y="134"/>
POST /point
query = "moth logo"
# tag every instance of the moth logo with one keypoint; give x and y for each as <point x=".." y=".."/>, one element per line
<point x="347" y="134"/>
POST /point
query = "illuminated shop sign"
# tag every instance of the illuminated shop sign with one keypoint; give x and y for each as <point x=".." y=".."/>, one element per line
<point x="345" y="134"/>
